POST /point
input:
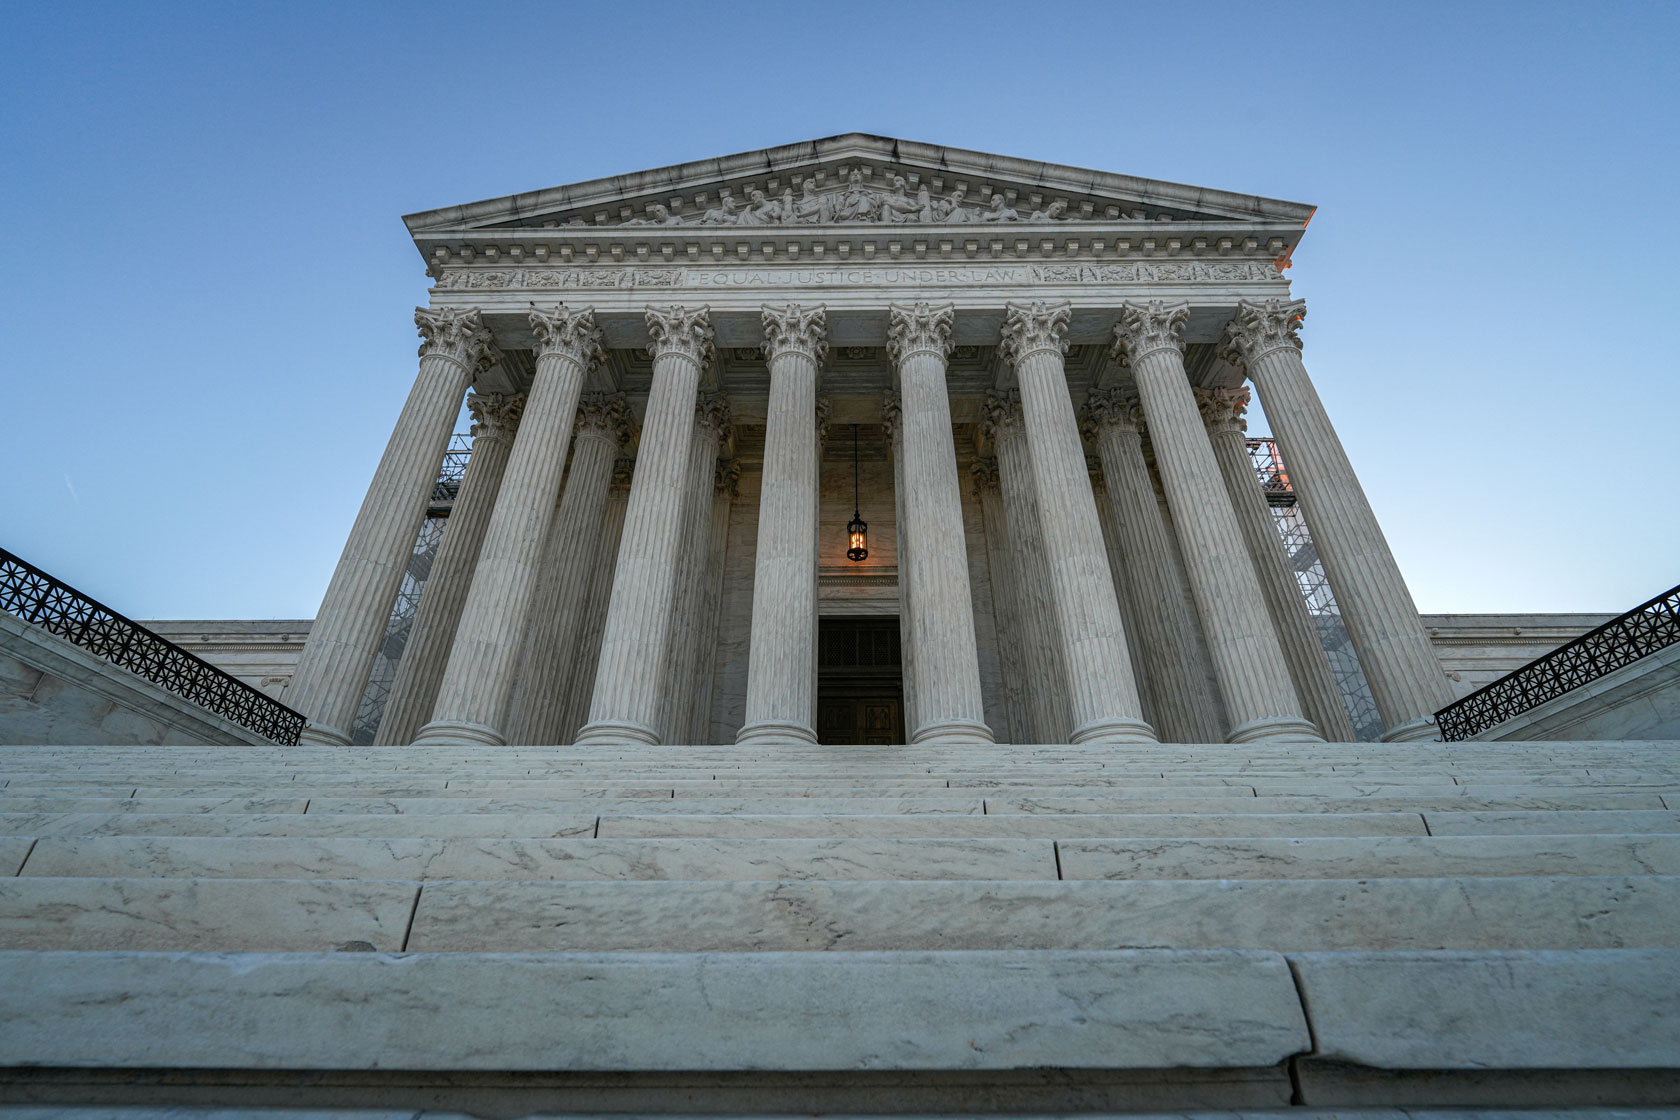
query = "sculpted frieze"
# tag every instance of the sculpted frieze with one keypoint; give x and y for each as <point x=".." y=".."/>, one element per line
<point x="853" y="201"/>
<point x="861" y="276"/>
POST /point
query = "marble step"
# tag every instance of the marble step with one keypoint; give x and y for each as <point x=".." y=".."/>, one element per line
<point x="438" y="826"/>
<point x="874" y="1032"/>
<point x="690" y="858"/>
<point x="1047" y="826"/>
<point x="1558" y="820"/>
<point x="848" y="915"/>
<point x="233" y="915"/>
<point x="1283" y="914"/>
<point x="1354" y="857"/>
<point x="1541" y="802"/>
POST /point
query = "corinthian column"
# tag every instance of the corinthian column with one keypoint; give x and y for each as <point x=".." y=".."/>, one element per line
<point x="580" y="682"/>
<point x="1034" y="601"/>
<point x="682" y="655"/>
<point x="726" y="483"/>
<point x="536" y="711"/>
<point x="479" y="676"/>
<point x="333" y="666"/>
<point x="781" y="684"/>
<point x="414" y="691"/>
<point x="947" y="661"/>
<point x="1185" y="708"/>
<point x="1017" y="689"/>
<point x="1253" y="677"/>
<point x="892" y="422"/>
<point x="1394" y="651"/>
<point x="625" y="705"/>
<point x="1222" y="412"/>
<point x="1102" y="693"/>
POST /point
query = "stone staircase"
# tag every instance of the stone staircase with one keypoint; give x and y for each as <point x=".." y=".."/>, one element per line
<point x="979" y="930"/>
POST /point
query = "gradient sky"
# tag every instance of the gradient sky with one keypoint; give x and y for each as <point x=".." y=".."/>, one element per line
<point x="205" y="309"/>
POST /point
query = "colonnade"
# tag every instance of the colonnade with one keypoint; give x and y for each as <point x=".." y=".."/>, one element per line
<point x="506" y="635"/>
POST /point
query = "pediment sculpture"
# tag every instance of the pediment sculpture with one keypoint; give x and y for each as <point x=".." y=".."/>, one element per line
<point x="853" y="201"/>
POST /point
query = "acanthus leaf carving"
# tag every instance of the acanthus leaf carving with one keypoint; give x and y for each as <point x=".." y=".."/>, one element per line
<point x="571" y="334"/>
<point x="985" y="472"/>
<point x="892" y="413"/>
<point x="604" y="414"/>
<point x="1002" y="414"/>
<point x="686" y="331"/>
<point x="1223" y="408"/>
<point x="457" y="333"/>
<point x="495" y="415"/>
<point x="1145" y="328"/>
<point x="711" y="413"/>
<point x="1116" y="407"/>
<point x="1258" y="328"/>
<point x="1029" y="328"/>
<point x="803" y="330"/>
<point x="917" y="327"/>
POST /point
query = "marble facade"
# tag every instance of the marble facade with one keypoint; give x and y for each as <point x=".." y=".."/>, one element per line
<point x="1028" y="363"/>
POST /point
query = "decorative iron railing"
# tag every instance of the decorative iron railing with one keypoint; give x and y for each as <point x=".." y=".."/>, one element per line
<point x="1639" y="633"/>
<point x="40" y="600"/>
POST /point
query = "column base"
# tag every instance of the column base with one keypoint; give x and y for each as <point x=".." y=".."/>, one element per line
<point x="607" y="732"/>
<point x="320" y="735"/>
<point x="953" y="731"/>
<point x="1275" y="727"/>
<point x="1421" y="729"/>
<point x="459" y="731"/>
<point x="776" y="731"/>
<point x="1114" y="729"/>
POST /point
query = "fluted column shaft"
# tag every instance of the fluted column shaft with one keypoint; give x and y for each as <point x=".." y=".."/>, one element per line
<point x="1046" y="693"/>
<point x="536" y="711"/>
<point x="1394" y="650"/>
<point x="580" y="681"/>
<point x="479" y="676"/>
<point x="1005" y="581"/>
<point x="1309" y="668"/>
<point x="781" y="681"/>
<point x="625" y="705"/>
<point x="333" y="667"/>
<point x="682" y="656"/>
<point x="414" y="690"/>
<point x="947" y="659"/>
<point x="1253" y="676"/>
<point x="1185" y="710"/>
<point x="726" y="481"/>
<point x="892" y="419"/>
<point x="1103" y="700"/>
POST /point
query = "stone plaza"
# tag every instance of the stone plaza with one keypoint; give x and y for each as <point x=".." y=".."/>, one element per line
<point x="859" y="663"/>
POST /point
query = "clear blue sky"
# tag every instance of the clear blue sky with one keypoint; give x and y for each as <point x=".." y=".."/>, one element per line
<point x="205" y="329"/>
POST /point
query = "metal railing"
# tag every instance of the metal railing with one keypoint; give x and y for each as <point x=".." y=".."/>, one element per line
<point x="40" y="600"/>
<point x="1644" y="630"/>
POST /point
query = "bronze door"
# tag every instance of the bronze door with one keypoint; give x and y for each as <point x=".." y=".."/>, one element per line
<point x="860" y="686"/>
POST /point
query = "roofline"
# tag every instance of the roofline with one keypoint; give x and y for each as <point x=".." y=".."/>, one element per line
<point x="861" y="145"/>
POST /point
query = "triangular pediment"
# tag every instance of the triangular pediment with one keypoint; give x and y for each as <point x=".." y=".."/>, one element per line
<point x="855" y="180"/>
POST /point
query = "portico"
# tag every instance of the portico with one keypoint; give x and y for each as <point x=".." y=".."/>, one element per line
<point x="1024" y="354"/>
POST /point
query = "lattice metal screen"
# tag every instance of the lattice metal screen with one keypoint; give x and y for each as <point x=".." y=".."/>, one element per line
<point x="1315" y="589"/>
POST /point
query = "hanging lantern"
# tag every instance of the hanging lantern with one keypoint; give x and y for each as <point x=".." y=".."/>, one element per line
<point x="857" y="529"/>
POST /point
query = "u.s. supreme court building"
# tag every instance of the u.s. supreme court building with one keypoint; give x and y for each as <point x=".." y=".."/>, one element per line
<point x="1027" y="382"/>
<point x="857" y="662"/>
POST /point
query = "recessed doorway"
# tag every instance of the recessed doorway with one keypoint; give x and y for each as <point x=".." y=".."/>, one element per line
<point x="860" y="682"/>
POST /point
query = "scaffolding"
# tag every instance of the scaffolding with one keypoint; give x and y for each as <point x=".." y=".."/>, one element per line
<point x="1315" y="589"/>
<point x="420" y="560"/>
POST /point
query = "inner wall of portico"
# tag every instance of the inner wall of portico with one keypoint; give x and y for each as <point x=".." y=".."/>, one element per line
<point x="867" y="588"/>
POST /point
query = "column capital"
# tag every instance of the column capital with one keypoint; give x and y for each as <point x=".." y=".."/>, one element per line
<point x="624" y="472"/>
<point x="892" y="413"/>
<point x="603" y="416"/>
<point x="571" y="334"/>
<point x="1223" y="409"/>
<point x="795" y="329"/>
<point x="1031" y="327"/>
<point x="1259" y="328"/>
<point x="458" y="334"/>
<point x="985" y="472"/>
<point x="711" y="413"/>
<point x="495" y="415"/>
<point x="1117" y="407"/>
<point x="685" y="331"/>
<point x="1001" y="414"/>
<point x="726" y="479"/>
<point x="1145" y="328"/>
<point x="913" y="328"/>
